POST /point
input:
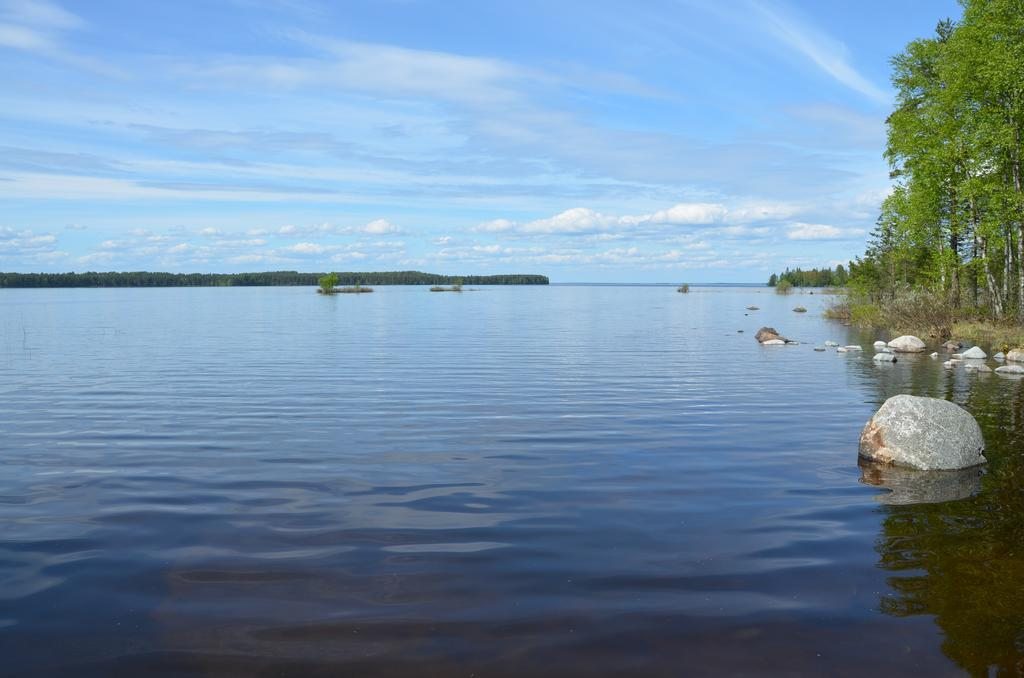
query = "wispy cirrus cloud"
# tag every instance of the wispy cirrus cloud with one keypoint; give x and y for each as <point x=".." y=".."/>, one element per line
<point x="824" y="51"/>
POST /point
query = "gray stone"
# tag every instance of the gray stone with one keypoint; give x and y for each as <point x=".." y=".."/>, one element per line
<point x="975" y="353"/>
<point x="842" y="349"/>
<point x="831" y="343"/>
<point x="799" y="309"/>
<point x="923" y="433"/>
<point x="773" y="342"/>
<point x="1016" y="355"/>
<point x="884" y="358"/>
<point x="999" y="356"/>
<point x="819" y="349"/>
<point x="880" y="344"/>
<point x="1010" y="369"/>
<point x="974" y="367"/>
<point x="957" y="356"/>
<point x="934" y="355"/>
<point x="854" y="348"/>
<point x="952" y="346"/>
<point x="907" y="344"/>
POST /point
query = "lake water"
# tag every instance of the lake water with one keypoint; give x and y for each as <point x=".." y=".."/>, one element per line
<point x="513" y="481"/>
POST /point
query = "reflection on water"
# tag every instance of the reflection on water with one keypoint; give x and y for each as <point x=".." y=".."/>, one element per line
<point x="909" y="486"/>
<point x="516" y="481"/>
<point x="955" y="548"/>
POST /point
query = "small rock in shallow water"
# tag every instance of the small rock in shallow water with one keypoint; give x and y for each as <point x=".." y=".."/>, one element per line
<point x="999" y="356"/>
<point x="952" y="346"/>
<point x="975" y="353"/>
<point x="978" y="368"/>
<point x="884" y="358"/>
<point x="957" y="356"/>
<point x="907" y="344"/>
<point x="819" y="349"/>
<point x="831" y="343"/>
<point x="1016" y="355"/>
<point x="1010" y="369"/>
<point x="842" y="349"/>
<point x="800" y="309"/>
<point x="773" y="342"/>
<point x="949" y="364"/>
<point x="923" y="433"/>
<point x="753" y="308"/>
<point x="934" y="355"/>
<point x="854" y="348"/>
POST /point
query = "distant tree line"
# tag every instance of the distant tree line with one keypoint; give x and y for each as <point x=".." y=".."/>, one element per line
<point x="815" y="277"/>
<point x="265" y="279"/>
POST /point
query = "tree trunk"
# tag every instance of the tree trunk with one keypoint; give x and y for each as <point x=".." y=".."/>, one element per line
<point x="990" y="281"/>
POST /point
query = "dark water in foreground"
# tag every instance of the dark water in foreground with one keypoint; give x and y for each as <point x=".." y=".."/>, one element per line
<point x="531" y="481"/>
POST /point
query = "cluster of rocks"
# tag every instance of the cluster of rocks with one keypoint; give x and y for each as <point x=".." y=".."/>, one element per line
<point x="973" y="359"/>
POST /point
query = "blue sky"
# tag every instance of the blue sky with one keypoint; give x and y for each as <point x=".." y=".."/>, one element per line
<point x="685" y="140"/>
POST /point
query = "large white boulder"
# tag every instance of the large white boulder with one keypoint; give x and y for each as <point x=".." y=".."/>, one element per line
<point x="907" y="344"/>
<point x="974" y="353"/>
<point x="1016" y="355"/>
<point x="1010" y="369"/>
<point x="884" y="358"/>
<point x="923" y="433"/>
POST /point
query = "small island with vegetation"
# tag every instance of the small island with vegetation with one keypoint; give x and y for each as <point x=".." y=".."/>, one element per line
<point x="456" y="287"/>
<point x="328" y="285"/>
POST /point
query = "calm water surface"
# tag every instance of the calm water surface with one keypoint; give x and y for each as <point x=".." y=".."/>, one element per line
<point x="542" y="481"/>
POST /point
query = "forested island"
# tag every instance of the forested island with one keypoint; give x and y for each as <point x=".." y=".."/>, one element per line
<point x="814" y="277"/>
<point x="947" y="256"/>
<point x="264" y="279"/>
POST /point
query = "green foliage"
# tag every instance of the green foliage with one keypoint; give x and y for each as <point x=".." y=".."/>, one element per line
<point x="783" y="287"/>
<point x="328" y="282"/>
<point x="683" y="289"/>
<point x="815" y="277"/>
<point x="269" y="278"/>
<point x="953" y="226"/>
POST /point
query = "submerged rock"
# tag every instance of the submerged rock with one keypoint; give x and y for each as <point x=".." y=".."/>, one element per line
<point x="907" y="344"/>
<point x="753" y="308"/>
<point x="923" y="433"/>
<point x="934" y="355"/>
<point x="831" y="343"/>
<point x="884" y="358"/>
<point x="880" y="344"/>
<point x="999" y="356"/>
<point x="1010" y="369"/>
<point x="773" y="342"/>
<point x="852" y="347"/>
<point x="977" y="368"/>
<point x="800" y="309"/>
<point x="770" y="334"/>
<point x="842" y="349"/>
<point x="952" y="346"/>
<point x="1016" y="355"/>
<point x="819" y="349"/>
<point x="975" y="353"/>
